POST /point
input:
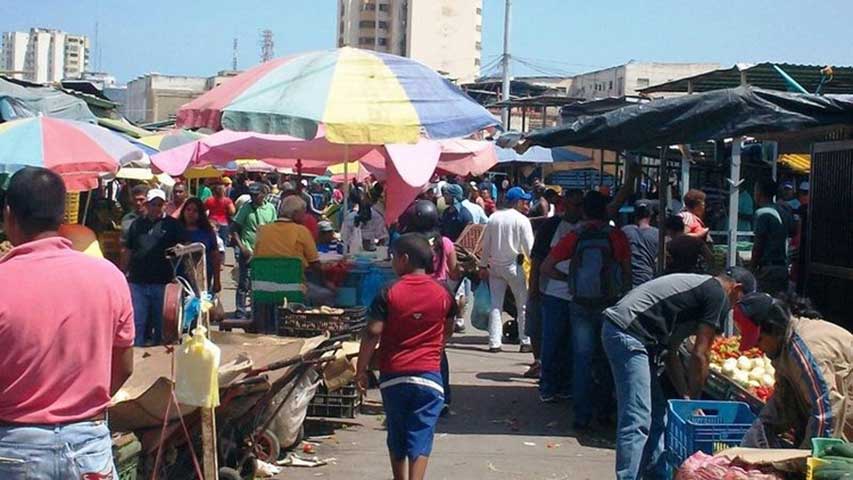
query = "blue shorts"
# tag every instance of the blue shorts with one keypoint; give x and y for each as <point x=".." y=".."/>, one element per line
<point x="412" y="403"/>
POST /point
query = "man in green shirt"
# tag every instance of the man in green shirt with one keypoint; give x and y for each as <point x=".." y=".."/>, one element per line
<point x="770" y="247"/>
<point x="204" y="192"/>
<point x="244" y="232"/>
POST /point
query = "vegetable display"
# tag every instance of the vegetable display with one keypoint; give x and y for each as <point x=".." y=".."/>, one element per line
<point x="751" y="370"/>
<point x="836" y="463"/>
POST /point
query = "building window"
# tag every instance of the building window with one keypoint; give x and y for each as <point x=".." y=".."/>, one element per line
<point x="610" y="87"/>
<point x="342" y="28"/>
<point x="479" y="28"/>
<point x="384" y="7"/>
<point x="479" y="11"/>
<point x="383" y="25"/>
<point x="642" y="82"/>
<point x="476" y="62"/>
<point x="478" y="46"/>
<point x="366" y="24"/>
<point x="369" y="7"/>
<point x="365" y="41"/>
<point x="383" y="42"/>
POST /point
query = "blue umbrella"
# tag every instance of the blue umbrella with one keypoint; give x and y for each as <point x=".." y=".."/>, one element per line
<point x="537" y="154"/>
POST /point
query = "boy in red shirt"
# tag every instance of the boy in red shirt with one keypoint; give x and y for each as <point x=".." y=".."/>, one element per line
<point x="410" y="319"/>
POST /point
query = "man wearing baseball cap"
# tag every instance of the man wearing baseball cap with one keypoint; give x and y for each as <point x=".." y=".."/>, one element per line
<point x="644" y="330"/>
<point x="149" y="270"/>
<point x="507" y="239"/>
<point x="814" y="373"/>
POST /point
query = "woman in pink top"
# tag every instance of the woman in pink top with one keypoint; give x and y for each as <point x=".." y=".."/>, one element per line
<point x="694" y="210"/>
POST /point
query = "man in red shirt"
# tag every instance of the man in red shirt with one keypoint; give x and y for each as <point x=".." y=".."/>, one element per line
<point x="609" y="261"/>
<point x="410" y="319"/>
<point x="66" y="331"/>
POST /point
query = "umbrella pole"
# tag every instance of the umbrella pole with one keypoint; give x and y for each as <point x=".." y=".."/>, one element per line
<point x="346" y="180"/>
<point x="86" y="208"/>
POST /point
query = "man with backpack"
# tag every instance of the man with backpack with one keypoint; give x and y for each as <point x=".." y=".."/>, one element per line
<point x="773" y="224"/>
<point x="599" y="274"/>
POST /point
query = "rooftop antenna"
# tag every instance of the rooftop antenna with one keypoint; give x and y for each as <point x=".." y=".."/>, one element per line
<point x="267" y="46"/>
<point x="234" y="55"/>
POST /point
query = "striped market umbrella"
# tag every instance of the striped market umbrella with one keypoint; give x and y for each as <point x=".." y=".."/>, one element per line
<point x="79" y="152"/>
<point x="359" y="96"/>
<point x="170" y="139"/>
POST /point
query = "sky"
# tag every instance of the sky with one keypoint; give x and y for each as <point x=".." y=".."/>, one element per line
<point x="554" y="37"/>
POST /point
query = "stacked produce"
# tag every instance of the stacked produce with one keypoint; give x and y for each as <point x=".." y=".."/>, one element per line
<point x="751" y="370"/>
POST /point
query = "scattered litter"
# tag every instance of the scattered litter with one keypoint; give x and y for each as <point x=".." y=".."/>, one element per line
<point x="294" y="460"/>
<point x="308" y="448"/>
<point x="553" y="445"/>
<point x="265" y="470"/>
<point x="492" y="467"/>
<point x="442" y="435"/>
<point x="530" y="444"/>
<point x="551" y="424"/>
<point x="322" y="437"/>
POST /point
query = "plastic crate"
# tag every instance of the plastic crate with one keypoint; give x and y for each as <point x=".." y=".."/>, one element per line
<point x="297" y="320"/>
<point x="720" y="425"/>
<point x="342" y="403"/>
<point x="126" y="453"/>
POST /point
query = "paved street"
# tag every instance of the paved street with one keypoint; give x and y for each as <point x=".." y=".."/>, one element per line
<point x="497" y="429"/>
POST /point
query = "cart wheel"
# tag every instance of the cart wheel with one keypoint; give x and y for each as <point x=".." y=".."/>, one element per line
<point x="226" y="473"/>
<point x="267" y="446"/>
<point x="299" y="437"/>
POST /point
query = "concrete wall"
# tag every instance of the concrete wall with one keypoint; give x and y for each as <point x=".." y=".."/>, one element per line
<point x="447" y="35"/>
<point x="155" y="97"/>
<point x="627" y="79"/>
<point x="15" y="53"/>
<point x="444" y="34"/>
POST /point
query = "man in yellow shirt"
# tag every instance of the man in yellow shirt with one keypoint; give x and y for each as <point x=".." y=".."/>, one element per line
<point x="286" y="237"/>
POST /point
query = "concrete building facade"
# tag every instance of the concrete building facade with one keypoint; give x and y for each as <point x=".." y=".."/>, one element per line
<point x="446" y="35"/>
<point x="627" y="79"/>
<point x="155" y="97"/>
<point x="44" y="55"/>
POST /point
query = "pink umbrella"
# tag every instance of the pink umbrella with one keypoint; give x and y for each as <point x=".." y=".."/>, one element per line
<point x="407" y="167"/>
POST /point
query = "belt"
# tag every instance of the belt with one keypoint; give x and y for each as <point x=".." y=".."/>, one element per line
<point x="98" y="417"/>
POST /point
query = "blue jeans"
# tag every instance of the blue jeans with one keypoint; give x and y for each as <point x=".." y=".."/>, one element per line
<point x="147" y="312"/>
<point x="591" y="384"/>
<point x="556" y="353"/>
<point x="641" y="406"/>
<point x="76" y="450"/>
<point x="244" y="285"/>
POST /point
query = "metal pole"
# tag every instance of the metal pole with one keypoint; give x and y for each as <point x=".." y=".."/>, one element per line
<point x="734" y="193"/>
<point x="505" y="60"/>
<point x="774" y="159"/>
<point x="662" y="190"/>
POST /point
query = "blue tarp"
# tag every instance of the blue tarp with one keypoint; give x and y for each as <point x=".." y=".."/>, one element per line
<point x="17" y="101"/>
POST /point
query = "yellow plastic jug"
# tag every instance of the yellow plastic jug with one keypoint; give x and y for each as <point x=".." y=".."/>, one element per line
<point x="197" y="370"/>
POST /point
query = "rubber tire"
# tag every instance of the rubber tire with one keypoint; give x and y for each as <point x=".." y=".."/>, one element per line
<point x="226" y="473"/>
<point x="268" y="447"/>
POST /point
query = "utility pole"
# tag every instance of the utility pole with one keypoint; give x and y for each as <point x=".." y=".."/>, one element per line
<point x="505" y="60"/>
<point x="234" y="55"/>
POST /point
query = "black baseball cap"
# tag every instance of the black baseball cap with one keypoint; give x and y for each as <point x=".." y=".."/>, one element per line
<point x="743" y="277"/>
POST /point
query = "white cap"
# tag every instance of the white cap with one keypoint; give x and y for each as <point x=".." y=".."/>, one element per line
<point x="155" y="193"/>
<point x="804" y="186"/>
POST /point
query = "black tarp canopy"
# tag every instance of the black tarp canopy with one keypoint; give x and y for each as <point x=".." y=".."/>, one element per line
<point x="696" y="118"/>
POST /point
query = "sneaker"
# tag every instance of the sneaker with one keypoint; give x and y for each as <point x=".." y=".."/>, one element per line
<point x="459" y="329"/>
<point x="525" y="349"/>
<point x="533" y="371"/>
<point x="495" y="349"/>
<point x="547" y="398"/>
<point x="445" y="410"/>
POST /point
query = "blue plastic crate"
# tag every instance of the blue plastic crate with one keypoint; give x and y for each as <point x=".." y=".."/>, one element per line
<point x="719" y="426"/>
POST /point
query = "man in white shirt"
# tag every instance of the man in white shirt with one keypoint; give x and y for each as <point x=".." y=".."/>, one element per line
<point x="508" y="238"/>
<point x="477" y="212"/>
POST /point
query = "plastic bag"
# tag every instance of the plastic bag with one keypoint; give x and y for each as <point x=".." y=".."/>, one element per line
<point x="482" y="307"/>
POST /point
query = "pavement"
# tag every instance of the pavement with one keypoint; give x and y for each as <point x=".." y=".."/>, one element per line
<point x="497" y="429"/>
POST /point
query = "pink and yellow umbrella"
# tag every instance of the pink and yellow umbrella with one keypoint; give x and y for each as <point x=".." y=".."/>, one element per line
<point x="79" y="152"/>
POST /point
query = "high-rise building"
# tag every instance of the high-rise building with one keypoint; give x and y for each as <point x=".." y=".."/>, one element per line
<point x="443" y="34"/>
<point x="44" y="55"/>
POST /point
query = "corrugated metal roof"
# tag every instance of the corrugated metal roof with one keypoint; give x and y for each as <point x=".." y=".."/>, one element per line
<point x="761" y="75"/>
